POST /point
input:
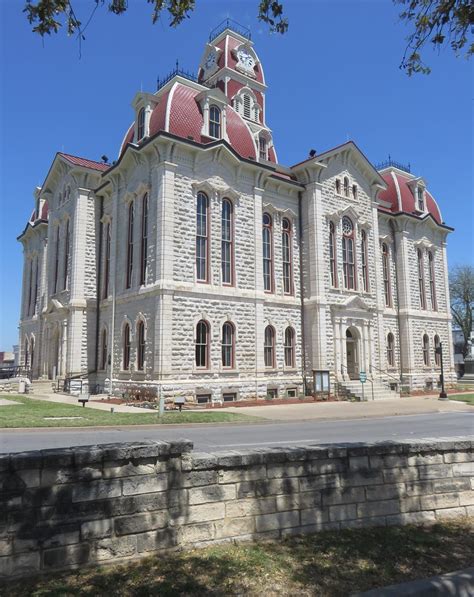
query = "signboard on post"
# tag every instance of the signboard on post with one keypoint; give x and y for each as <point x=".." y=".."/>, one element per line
<point x="362" y="376"/>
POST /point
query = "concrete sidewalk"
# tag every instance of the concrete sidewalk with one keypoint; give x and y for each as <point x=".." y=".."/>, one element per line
<point x="352" y="410"/>
<point x="72" y="401"/>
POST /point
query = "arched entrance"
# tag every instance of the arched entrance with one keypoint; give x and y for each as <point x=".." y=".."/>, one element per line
<point x="54" y="355"/>
<point x="352" y="353"/>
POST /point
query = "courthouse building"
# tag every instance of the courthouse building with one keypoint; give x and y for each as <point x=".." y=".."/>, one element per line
<point x="199" y="266"/>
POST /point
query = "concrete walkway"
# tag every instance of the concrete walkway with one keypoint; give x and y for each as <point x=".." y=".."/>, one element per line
<point x="352" y="410"/>
<point x="457" y="584"/>
<point x="72" y="401"/>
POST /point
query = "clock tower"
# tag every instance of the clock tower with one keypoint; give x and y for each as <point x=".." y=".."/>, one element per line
<point x="230" y="63"/>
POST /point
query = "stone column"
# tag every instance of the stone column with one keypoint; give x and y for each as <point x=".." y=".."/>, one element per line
<point x="259" y="291"/>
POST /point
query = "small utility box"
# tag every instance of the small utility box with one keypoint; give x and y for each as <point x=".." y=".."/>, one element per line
<point x="179" y="402"/>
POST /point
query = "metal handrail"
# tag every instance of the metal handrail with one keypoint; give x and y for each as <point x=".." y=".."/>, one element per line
<point x="397" y="379"/>
<point x="230" y="24"/>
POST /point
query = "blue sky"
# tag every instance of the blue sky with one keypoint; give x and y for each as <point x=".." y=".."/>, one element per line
<point x="333" y="76"/>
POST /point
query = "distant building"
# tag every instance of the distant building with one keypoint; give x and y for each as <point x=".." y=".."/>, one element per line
<point x="7" y="359"/>
<point x="198" y="263"/>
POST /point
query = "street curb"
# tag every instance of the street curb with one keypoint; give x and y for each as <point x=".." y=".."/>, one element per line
<point x="459" y="584"/>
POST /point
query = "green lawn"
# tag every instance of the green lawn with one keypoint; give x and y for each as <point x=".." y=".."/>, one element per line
<point x="468" y="398"/>
<point x="34" y="413"/>
<point x="331" y="564"/>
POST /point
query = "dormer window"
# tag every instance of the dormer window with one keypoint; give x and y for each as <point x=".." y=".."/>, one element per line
<point x="245" y="103"/>
<point x="247" y="106"/>
<point x="214" y="122"/>
<point x="262" y="148"/>
<point x="420" y="199"/>
<point x="346" y="186"/>
<point x="141" y="124"/>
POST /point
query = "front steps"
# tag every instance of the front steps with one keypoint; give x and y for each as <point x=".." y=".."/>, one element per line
<point x="352" y="389"/>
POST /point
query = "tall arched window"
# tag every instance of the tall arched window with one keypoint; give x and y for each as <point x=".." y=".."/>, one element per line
<point x="348" y="257"/>
<point x="247" y="106"/>
<point x="390" y="350"/>
<point x="105" y="292"/>
<point x="35" y="287"/>
<point x="434" y="305"/>
<point x="140" y="345"/>
<point x="289" y="347"/>
<point x="386" y="275"/>
<point x="56" y="261"/>
<point x="346" y="186"/>
<point x="30" y="287"/>
<point x="437" y="356"/>
<point x="267" y="253"/>
<point x="202" y="344"/>
<point x="364" y="260"/>
<point x="141" y="124"/>
<point x="103" y="359"/>
<point x="126" y="347"/>
<point x="338" y="186"/>
<point x="32" y="352"/>
<point x="421" y="279"/>
<point x="262" y="148"/>
<point x="214" y="122"/>
<point x="332" y="254"/>
<point x="227" y="242"/>
<point x="269" y="347"/>
<point x="287" y="256"/>
<point x="27" y="353"/>
<point x="202" y="238"/>
<point x="66" y="256"/>
<point x="144" y="240"/>
<point x="129" y="270"/>
<point x="420" y="199"/>
<point x="228" y="343"/>
<point x="426" y="350"/>
<point x="354" y="191"/>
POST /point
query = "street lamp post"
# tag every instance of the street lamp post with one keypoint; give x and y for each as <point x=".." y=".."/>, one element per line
<point x="442" y="394"/>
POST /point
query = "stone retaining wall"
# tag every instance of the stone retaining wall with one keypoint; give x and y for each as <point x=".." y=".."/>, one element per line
<point x="98" y="504"/>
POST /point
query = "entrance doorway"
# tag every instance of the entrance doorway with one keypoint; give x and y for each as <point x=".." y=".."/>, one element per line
<point x="352" y="354"/>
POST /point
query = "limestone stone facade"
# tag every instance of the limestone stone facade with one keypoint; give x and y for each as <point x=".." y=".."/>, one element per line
<point x="133" y="271"/>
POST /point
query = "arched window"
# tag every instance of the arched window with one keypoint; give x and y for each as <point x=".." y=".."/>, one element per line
<point x="386" y="275"/>
<point x="354" y="191"/>
<point x="364" y="260"/>
<point x="56" y="261"/>
<point x="269" y="347"/>
<point x="247" y="106"/>
<point x="27" y="353"/>
<point x="346" y="186"/>
<point x="126" y="347"/>
<point x="420" y="199"/>
<point x="348" y="257"/>
<point x="32" y="352"/>
<point x="214" y="122"/>
<point x="144" y="240"/>
<point x="105" y="292"/>
<point x="141" y="124"/>
<point x="390" y="350"/>
<point x="426" y="350"/>
<point x="35" y="288"/>
<point x="287" y="257"/>
<point x="267" y="253"/>
<point x="338" y="186"/>
<point x="332" y="254"/>
<point x="437" y="356"/>
<point x="130" y="245"/>
<point x="227" y="242"/>
<point x="202" y="238"/>
<point x="140" y="345"/>
<point x="104" y="355"/>
<point x="228" y="343"/>
<point x="289" y="347"/>
<point x="30" y="287"/>
<point x="421" y="279"/>
<point x="66" y="256"/>
<point x="262" y="148"/>
<point x="202" y="344"/>
<point x="434" y="305"/>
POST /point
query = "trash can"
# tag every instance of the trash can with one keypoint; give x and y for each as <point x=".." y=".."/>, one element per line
<point x="21" y="387"/>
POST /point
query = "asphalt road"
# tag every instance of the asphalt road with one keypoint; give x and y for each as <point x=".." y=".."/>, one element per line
<point x="257" y="435"/>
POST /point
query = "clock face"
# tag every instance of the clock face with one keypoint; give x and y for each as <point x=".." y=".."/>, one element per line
<point x="246" y="59"/>
<point x="210" y="61"/>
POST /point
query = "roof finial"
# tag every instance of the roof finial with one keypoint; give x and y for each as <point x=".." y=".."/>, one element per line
<point x="177" y="65"/>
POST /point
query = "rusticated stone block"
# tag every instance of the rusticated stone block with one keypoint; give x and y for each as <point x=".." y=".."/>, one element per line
<point x="449" y="485"/>
<point x="358" y="463"/>
<point x="385" y="492"/>
<point x="411" y="518"/>
<point x="345" y="495"/>
<point x="401" y="475"/>
<point x="55" y="476"/>
<point x="199" y="513"/>
<point x="198" y="462"/>
<point x="211" y="493"/>
<point x="425" y="459"/>
<point x="194" y="479"/>
<point x="466" y="498"/>
<point x="447" y="513"/>
<point x="234" y="527"/>
<point x="465" y="469"/>
<point x="266" y="487"/>
<point x="144" y="484"/>
<point x="120" y="547"/>
<point x="326" y="467"/>
<point x="314" y="516"/>
<point x="319" y="482"/>
<point x="69" y="555"/>
<point x="436" y="471"/>
<point x="359" y="523"/>
<point x="384" y="508"/>
<point x="439" y="500"/>
<point x="96" y="490"/>
<point x="245" y="474"/>
<point x="275" y="471"/>
<point x="279" y="520"/>
<point x="342" y="512"/>
<point x="140" y="523"/>
<point x="451" y="457"/>
<point x="359" y="478"/>
<point x="25" y="564"/>
<point x="130" y="469"/>
<point x="156" y="540"/>
<point x="249" y="507"/>
<point x="97" y="528"/>
<point x="297" y="501"/>
<point x="192" y="533"/>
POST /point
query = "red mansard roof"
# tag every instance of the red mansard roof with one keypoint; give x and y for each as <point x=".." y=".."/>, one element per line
<point x="401" y="197"/>
<point x="77" y="161"/>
